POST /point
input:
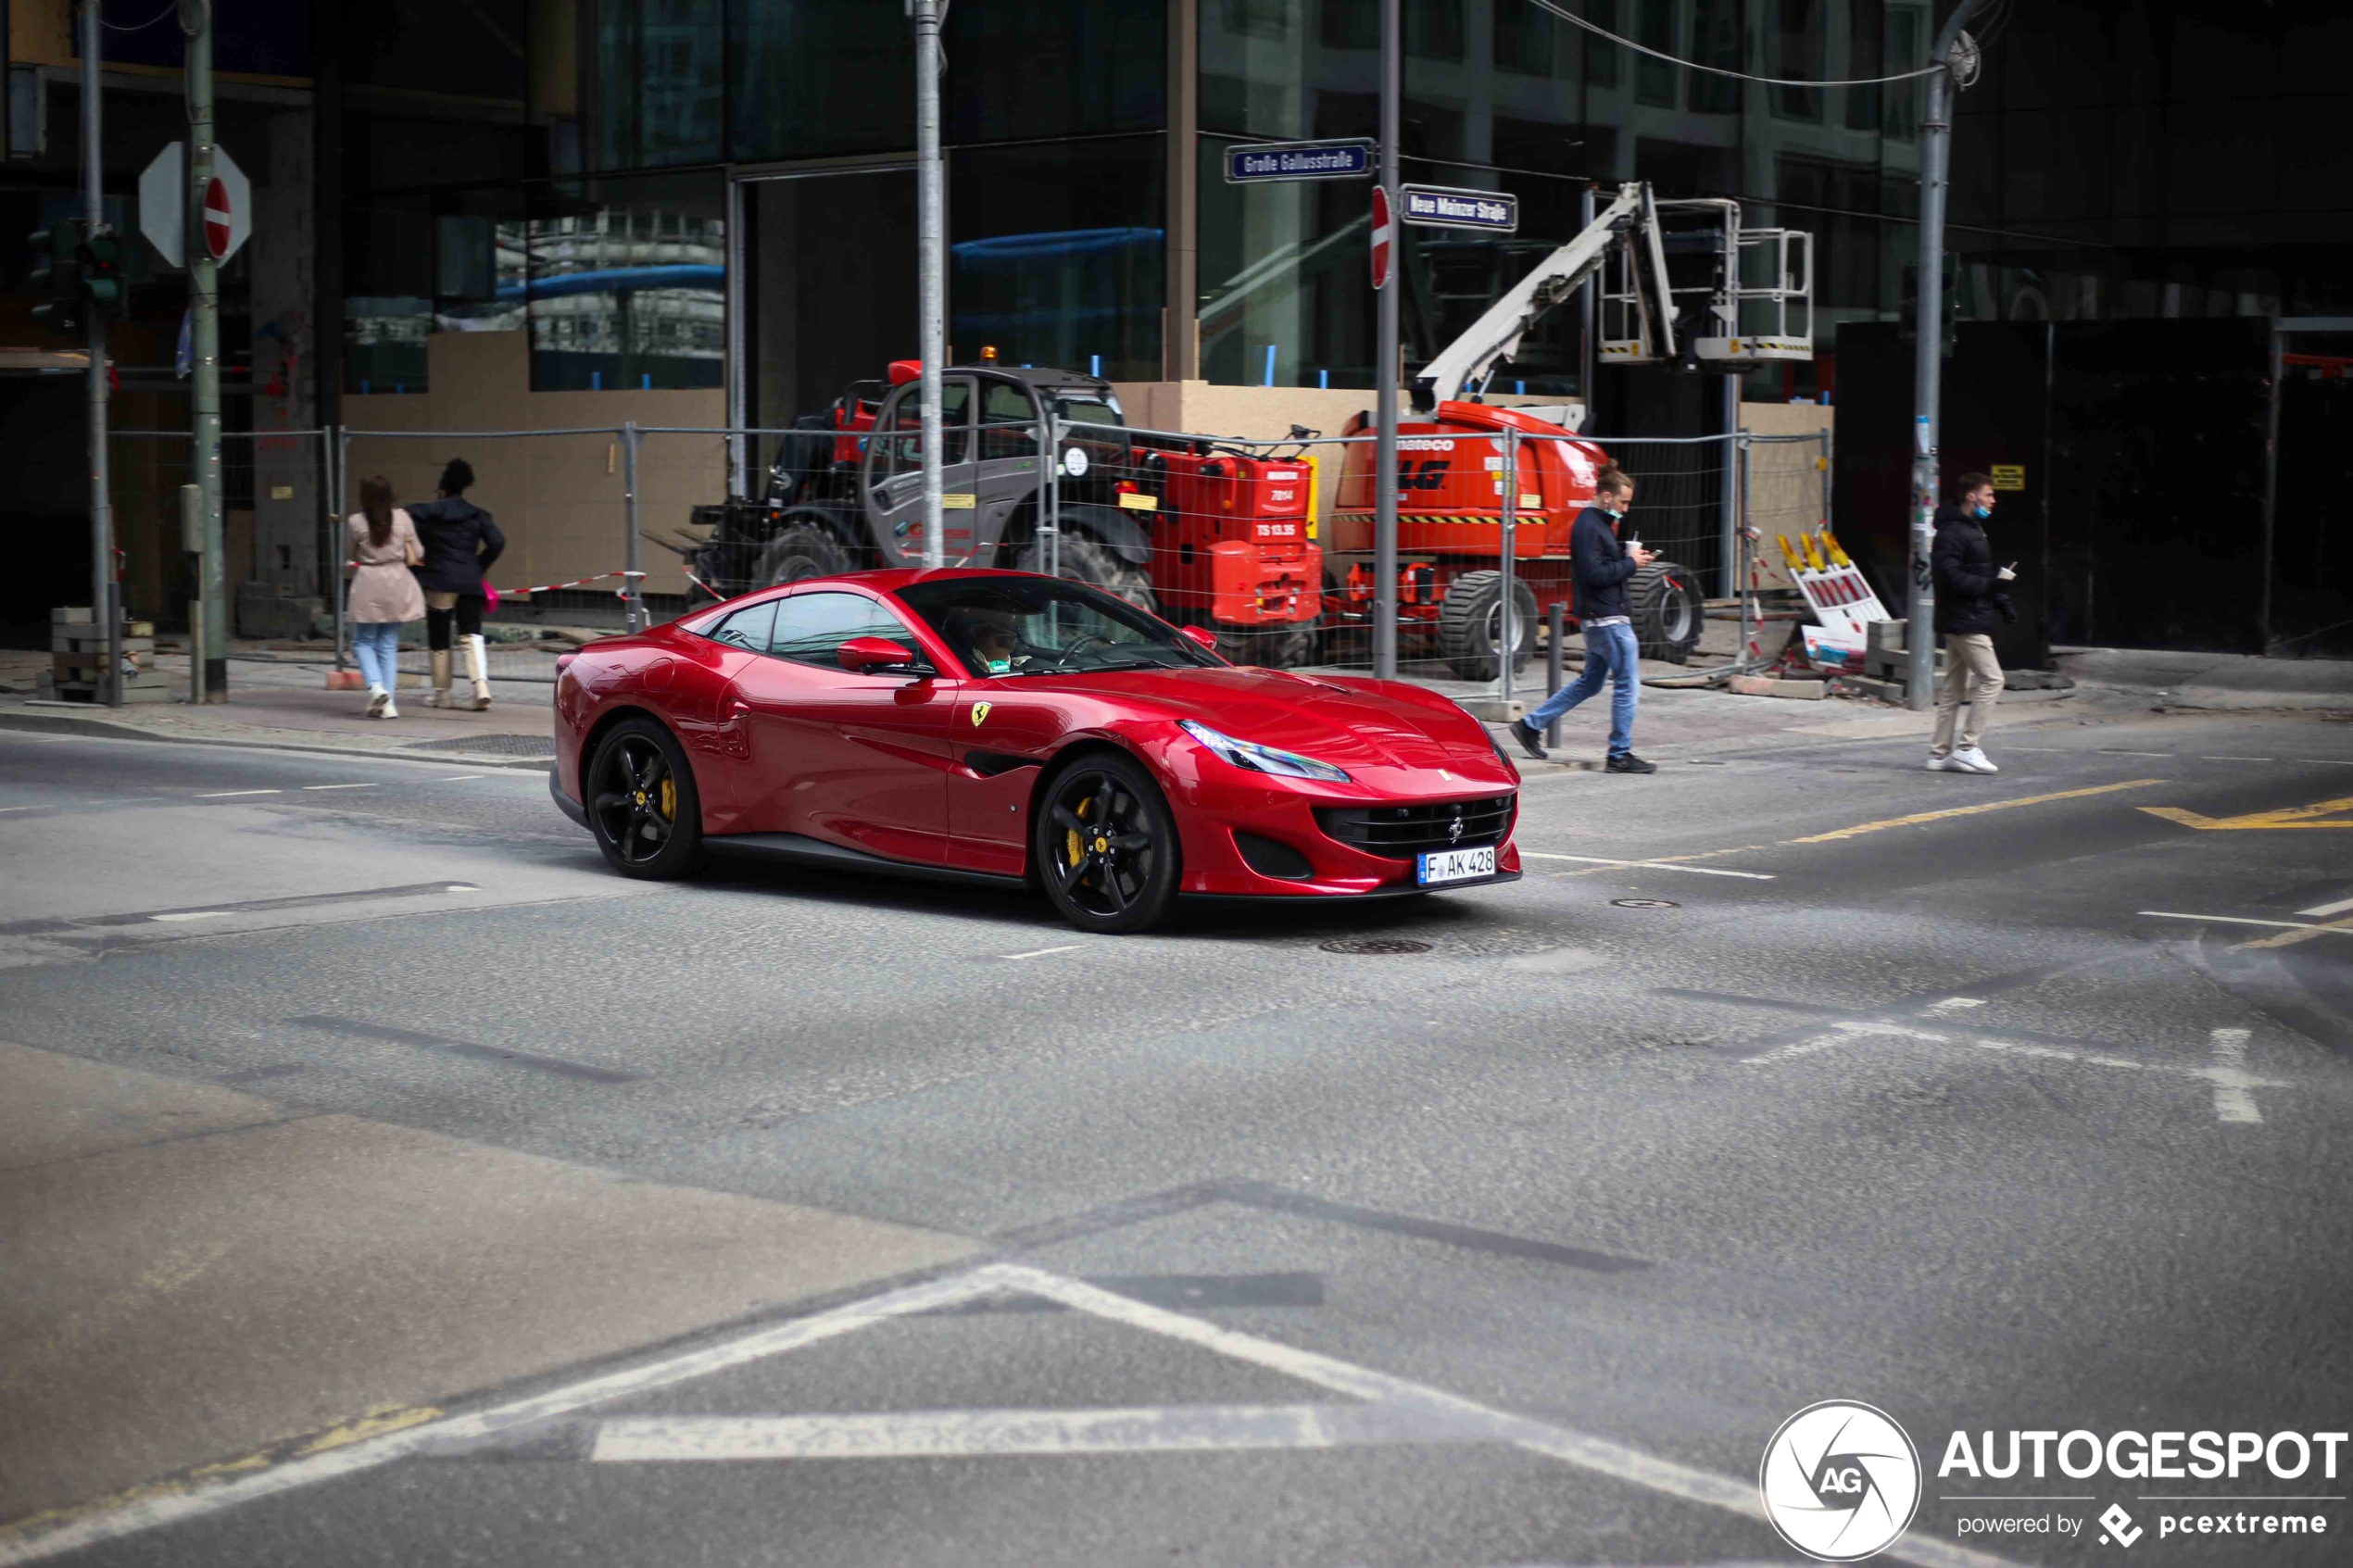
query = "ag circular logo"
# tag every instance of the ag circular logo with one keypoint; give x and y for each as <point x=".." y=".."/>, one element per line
<point x="1840" y="1481"/>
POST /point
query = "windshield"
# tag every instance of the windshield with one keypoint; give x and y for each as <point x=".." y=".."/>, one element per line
<point x="1086" y="409"/>
<point x="1048" y="626"/>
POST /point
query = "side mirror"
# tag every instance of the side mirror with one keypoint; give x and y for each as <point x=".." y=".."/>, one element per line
<point x="1202" y="636"/>
<point x="868" y="655"/>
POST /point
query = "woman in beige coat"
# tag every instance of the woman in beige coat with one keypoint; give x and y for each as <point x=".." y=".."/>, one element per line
<point x="383" y="544"/>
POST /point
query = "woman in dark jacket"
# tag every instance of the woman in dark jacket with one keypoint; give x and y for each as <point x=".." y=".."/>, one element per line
<point x="460" y="543"/>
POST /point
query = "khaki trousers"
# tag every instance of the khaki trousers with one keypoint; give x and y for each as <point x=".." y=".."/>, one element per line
<point x="1973" y="681"/>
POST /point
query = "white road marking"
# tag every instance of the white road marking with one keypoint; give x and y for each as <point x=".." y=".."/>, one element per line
<point x="2323" y="911"/>
<point x="2109" y="752"/>
<point x="1141" y="1429"/>
<point x="5" y="809"/>
<point x="1448" y="1416"/>
<point x="225" y="794"/>
<point x="460" y="778"/>
<point x="2226" y="920"/>
<point x="1648" y="865"/>
<point x="340" y="786"/>
<point x="1951" y="1004"/>
<point x="2231" y="1102"/>
<point x="1041" y="952"/>
<point x="194" y="914"/>
<point x="2238" y="758"/>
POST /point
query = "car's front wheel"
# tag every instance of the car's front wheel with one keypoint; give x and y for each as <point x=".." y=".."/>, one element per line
<point x="642" y="803"/>
<point x="1105" y="845"/>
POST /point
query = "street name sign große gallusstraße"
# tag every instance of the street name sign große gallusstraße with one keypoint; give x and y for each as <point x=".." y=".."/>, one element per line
<point x="1443" y="206"/>
<point x="1349" y="159"/>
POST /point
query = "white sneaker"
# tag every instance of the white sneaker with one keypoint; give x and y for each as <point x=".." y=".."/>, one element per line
<point x="1975" y="762"/>
<point x="379" y="701"/>
<point x="390" y="712"/>
<point x="1945" y="765"/>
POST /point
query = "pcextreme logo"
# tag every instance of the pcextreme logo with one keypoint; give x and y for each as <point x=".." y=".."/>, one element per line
<point x="1840" y="1481"/>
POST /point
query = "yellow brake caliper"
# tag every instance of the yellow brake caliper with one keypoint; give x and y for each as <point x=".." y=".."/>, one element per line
<point x="1078" y="851"/>
<point x="669" y="798"/>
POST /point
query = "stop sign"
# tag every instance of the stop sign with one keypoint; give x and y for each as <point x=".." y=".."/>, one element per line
<point x="220" y="224"/>
<point x="1382" y="231"/>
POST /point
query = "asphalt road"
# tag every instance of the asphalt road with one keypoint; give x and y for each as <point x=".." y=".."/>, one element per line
<point x="642" y="1224"/>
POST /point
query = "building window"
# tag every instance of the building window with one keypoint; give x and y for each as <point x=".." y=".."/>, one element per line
<point x="1715" y="41"/>
<point x="627" y="286"/>
<point x="661" y="82"/>
<point x="1059" y="256"/>
<point x="1906" y="43"/>
<point x="1866" y="55"/>
<point x="1524" y="38"/>
<point x="1655" y="79"/>
<point x="1601" y="56"/>
<point x="388" y="283"/>
<point x="1798" y="54"/>
<point x="1077" y="68"/>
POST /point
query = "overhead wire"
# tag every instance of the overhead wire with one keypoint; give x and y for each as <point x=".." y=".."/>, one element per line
<point x="138" y="26"/>
<point x="1599" y="31"/>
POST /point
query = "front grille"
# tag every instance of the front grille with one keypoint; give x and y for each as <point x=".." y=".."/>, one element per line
<point x="1402" y="832"/>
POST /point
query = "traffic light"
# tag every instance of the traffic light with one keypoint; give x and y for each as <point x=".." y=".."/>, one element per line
<point x="57" y="276"/>
<point x="1909" y="330"/>
<point x="100" y="261"/>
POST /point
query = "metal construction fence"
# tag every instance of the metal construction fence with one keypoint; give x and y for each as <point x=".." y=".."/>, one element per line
<point x="1265" y="546"/>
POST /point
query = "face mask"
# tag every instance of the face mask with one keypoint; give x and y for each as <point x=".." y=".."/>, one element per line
<point x="999" y="666"/>
<point x="1983" y="512"/>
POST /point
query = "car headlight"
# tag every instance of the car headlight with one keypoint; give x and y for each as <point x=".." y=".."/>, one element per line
<point x="1261" y="759"/>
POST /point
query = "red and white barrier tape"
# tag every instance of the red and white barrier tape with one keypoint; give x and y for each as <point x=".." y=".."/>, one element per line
<point x="621" y="592"/>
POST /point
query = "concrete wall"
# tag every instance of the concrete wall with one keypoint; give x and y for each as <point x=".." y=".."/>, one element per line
<point x="557" y="499"/>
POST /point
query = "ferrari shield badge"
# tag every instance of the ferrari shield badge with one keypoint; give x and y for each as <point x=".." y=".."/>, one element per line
<point x="980" y="711"/>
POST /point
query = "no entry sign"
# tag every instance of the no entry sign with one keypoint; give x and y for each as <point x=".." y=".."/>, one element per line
<point x="1383" y="231"/>
<point x="220" y="225"/>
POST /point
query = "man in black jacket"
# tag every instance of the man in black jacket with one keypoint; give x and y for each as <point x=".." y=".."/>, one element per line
<point x="1601" y="565"/>
<point x="1968" y="595"/>
<point x="461" y="542"/>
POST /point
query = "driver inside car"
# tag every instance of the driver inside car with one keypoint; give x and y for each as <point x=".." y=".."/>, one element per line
<point x="991" y="639"/>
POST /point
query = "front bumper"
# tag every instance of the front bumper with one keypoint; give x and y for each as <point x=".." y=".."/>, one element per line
<point x="566" y="803"/>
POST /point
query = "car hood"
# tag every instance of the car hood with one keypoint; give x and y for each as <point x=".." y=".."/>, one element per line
<point x="1341" y="721"/>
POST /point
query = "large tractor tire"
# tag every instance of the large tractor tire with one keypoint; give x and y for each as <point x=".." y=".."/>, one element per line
<point x="1470" y="625"/>
<point x="1343" y="642"/>
<point x="1093" y="562"/>
<point x="1271" y="647"/>
<point x="803" y="550"/>
<point x="1668" y="609"/>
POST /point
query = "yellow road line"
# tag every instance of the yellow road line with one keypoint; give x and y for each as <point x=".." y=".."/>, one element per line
<point x="2289" y="938"/>
<point x="1970" y="811"/>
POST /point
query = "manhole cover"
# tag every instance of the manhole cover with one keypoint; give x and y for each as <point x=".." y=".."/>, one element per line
<point x="490" y="746"/>
<point x="1644" y="904"/>
<point x="1375" y="946"/>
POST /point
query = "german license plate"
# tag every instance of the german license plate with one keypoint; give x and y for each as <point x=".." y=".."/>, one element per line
<point x="1454" y="865"/>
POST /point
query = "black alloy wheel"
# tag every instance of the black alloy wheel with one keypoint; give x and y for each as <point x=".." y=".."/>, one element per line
<point x="642" y="802"/>
<point x="1105" y="845"/>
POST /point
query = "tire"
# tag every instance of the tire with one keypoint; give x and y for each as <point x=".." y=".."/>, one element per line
<point x="1668" y="611"/>
<point x="1110" y="883"/>
<point x="1093" y="562"/>
<point x="1342" y="642"/>
<point x="1469" y="624"/>
<point x="802" y="550"/>
<point x="642" y="802"/>
<point x="1276" y="648"/>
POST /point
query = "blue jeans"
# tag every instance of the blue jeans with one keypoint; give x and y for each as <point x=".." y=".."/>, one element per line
<point x="1610" y="654"/>
<point x="377" y="645"/>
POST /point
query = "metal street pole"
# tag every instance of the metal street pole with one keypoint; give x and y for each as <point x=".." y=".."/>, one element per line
<point x="1386" y="369"/>
<point x="103" y="609"/>
<point x="204" y="345"/>
<point x="932" y="262"/>
<point x="1936" y="128"/>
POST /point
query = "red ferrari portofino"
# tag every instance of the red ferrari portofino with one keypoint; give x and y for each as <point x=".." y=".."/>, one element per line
<point x="1007" y="728"/>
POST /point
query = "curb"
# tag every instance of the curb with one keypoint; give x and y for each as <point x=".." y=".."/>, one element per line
<point x="101" y="729"/>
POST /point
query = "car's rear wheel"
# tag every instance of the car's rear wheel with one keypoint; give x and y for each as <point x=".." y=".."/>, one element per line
<point x="1105" y="845"/>
<point x="642" y="803"/>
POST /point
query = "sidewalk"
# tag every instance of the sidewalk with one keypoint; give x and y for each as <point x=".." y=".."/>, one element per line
<point x="285" y="706"/>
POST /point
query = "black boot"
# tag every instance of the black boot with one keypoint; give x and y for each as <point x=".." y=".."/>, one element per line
<point x="1530" y="741"/>
<point x="1628" y="763"/>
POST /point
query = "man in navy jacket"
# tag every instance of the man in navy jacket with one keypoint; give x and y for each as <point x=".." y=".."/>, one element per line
<point x="1601" y="566"/>
<point x="1968" y="595"/>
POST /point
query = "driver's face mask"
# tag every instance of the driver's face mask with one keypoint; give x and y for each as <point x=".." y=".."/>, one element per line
<point x="999" y="666"/>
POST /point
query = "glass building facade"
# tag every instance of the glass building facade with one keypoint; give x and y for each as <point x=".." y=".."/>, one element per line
<point x="707" y="193"/>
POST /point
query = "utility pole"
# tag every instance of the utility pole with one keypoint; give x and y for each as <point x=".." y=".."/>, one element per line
<point x="1927" y="361"/>
<point x="105" y="606"/>
<point x="204" y="346"/>
<point x="1386" y="369"/>
<point x="932" y="262"/>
